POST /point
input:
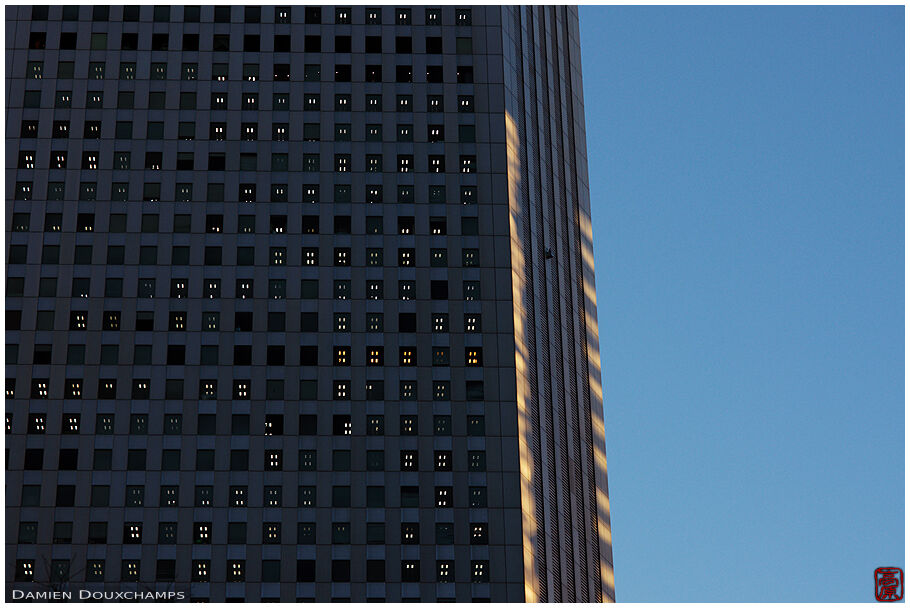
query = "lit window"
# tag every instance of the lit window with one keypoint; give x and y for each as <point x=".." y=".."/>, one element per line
<point x="342" y="355"/>
<point x="341" y="389"/>
<point x="374" y="290"/>
<point x="271" y="533"/>
<point x="443" y="460"/>
<point x="408" y="425"/>
<point x="178" y="321"/>
<point x="36" y="424"/>
<point x="374" y="355"/>
<point x="410" y="534"/>
<point x="202" y="533"/>
<point x="408" y="460"/>
<point x="479" y="534"/>
<point x="132" y="533"/>
<point x="273" y="497"/>
<point x="443" y="497"/>
<point x="341" y="322"/>
<point x="179" y="289"/>
<point x="441" y="391"/>
<point x="480" y="571"/>
<point x="241" y="389"/>
<point x="74" y="391"/>
<point x="204" y="496"/>
<point x="238" y="496"/>
<point x="445" y="571"/>
<point x="39" y="389"/>
<point x="131" y="570"/>
<point x="235" y="570"/>
<point x="407" y="357"/>
<point x="342" y="425"/>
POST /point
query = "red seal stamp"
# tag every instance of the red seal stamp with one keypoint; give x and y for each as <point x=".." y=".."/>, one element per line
<point x="889" y="584"/>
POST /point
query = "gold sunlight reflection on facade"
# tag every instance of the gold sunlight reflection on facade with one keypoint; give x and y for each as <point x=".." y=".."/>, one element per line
<point x="528" y="520"/>
<point x="594" y="382"/>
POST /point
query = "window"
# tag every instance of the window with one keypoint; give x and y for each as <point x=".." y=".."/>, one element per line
<point x="433" y="45"/>
<point x="29" y="129"/>
<point x="479" y="534"/>
<point x="236" y="570"/>
<point x="403" y="73"/>
<point x="443" y="496"/>
<point x="480" y="571"/>
<point x="408" y="460"/>
<point x="445" y="571"/>
<point x="35" y="70"/>
<point x="312" y="14"/>
<point x="410" y="571"/>
<point x="410" y="533"/>
<point x="341" y="571"/>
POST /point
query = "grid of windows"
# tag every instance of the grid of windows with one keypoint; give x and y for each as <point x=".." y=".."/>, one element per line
<point x="248" y="269"/>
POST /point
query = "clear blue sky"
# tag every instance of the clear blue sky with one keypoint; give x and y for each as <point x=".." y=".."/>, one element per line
<point x="747" y="185"/>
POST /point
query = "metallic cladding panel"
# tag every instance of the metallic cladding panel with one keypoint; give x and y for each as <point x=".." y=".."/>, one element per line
<point x="568" y="552"/>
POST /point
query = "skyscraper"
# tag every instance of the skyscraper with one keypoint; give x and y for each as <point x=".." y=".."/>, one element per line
<point x="300" y="305"/>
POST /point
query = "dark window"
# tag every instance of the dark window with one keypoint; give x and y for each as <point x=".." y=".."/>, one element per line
<point x="341" y="571"/>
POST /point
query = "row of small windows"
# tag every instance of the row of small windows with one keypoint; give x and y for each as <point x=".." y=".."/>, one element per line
<point x="277" y="289"/>
<point x="218" y="131"/>
<point x="242" y="390"/>
<point x="239" y="460"/>
<point x="268" y="570"/>
<point x="311" y="102"/>
<point x="215" y="193"/>
<point x="215" y="224"/>
<point x="212" y="256"/>
<point x="281" y="43"/>
<point x="239" y="497"/>
<point x="273" y="533"/>
<point x="248" y="131"/>
<point x="243" y="356"/>
<point x="243" y="322"/>
<point x="184" y="161"/>
<point x="281" y="72"/>
<point x="272" y="424"/>
<point x="246" y="192"/>
<point x="253" y="14"/>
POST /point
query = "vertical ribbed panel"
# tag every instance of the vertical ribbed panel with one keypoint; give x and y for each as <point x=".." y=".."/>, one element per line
<point x="568" y="546"/>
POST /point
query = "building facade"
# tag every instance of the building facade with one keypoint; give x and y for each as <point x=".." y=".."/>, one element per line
<point x="300" y="305"/>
